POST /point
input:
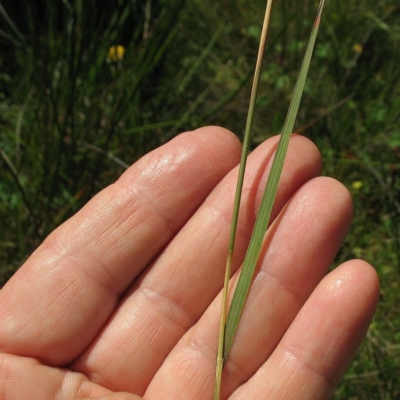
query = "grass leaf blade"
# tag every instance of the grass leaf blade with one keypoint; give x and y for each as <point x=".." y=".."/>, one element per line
<point x="238" y="195"/>
<point x="264" y="213"/>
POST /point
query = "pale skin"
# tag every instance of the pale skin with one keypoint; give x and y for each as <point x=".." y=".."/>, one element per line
<point x="122" y="302"/>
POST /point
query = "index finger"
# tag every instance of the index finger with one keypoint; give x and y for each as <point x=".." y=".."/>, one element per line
<point x="57" y="302"/>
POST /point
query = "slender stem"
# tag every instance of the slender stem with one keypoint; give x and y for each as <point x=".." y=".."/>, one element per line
<point x="236" y="207"/>
<point x="264" y="213"/>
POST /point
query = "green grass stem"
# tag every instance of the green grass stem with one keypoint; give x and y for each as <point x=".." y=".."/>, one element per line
<point x="263" y="217"/>
<point x="238" y="195"/>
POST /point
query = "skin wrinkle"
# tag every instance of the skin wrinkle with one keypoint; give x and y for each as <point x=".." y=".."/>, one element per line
<point x="75" y="385"/>
<point x="130" y="317"/>
<point x="208" y="379"/>
<point x="3" y="376"/>
<point x="225" y="214"/>
<point x="128" y="353"/>
<point x="69" y="388"/>
<point x="209" y="203"/>
<point x="220" y="239"/>
<point x="175" y="266"/>
<point x="191" y="382"/>
<point x="273" y="312"/>
<point x="140" y="225"/>
<point x="97" y="376"/>
<point x="195" y="349"/>
<point x="4" y="380"/>
<point x="58" y="253"/>
<point x="51" y="274"/>
<point x="185" y="292"/>
<point x="23" y="325"/>
<point x="125" y="207"/>
<point x="211" y="219"/>
<point x="266" y="271"/>
<point x="145" y="222"/>
<point x="316" y="183"/>
<point x="72" y="283"/>
<point x="106" y="279"/>
<point x="73" y="261"/>
<point x="65" y="384"/>
<point x="286" y="365"/>
<point x="144" y="330"/>
<point x="139" y="193"/>
<point x="233" y="372"/>
<point x="152" y="335"/>
<point x="199" y="347"/>
<point x="135" y="193"/>
<point x="303" y="364"/>
<point x="175" y="313"/>
<point x="319" y="304"/>
<point x="270" y="276"/>
<point x="266" y="279"/>
<point x="310" y="233"/>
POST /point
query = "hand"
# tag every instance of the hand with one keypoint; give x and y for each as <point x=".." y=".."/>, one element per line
<point x="125" y="296"/>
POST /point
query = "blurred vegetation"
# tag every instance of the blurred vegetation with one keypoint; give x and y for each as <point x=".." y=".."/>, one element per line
<point x="76" y="109"/>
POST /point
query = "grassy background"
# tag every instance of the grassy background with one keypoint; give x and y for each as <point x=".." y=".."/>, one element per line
<point x="72" y="118"/>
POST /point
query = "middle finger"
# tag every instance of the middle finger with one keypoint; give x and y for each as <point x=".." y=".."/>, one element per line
<point x="298" y="249"/>
<point x="172" y="294"/>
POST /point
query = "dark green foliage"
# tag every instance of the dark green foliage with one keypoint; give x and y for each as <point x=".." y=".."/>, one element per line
<point x="71" y="105"/>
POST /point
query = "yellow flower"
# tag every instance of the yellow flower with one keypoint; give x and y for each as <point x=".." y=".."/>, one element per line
<point x="358" y="48"/>
<point x="357" y="185"/>
<point x="116" y="53"/>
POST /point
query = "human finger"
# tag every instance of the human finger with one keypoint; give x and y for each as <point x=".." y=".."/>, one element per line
<point x="173" y="293"/>
<point x="324" y="338"/>
<point x="298" y="249"/>
<point x="23" y="378"/>
<point x="56" y="303"/>
<point x="116" y="396"/>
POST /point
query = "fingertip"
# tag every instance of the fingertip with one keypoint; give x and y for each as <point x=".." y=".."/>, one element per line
<point x="300" y="148"/>
<point x="218" y="136"/>
<point x="335" y="198"/>
<point x="215" y="130"/>
<point x="308" y="144"/>
<point x="308" y="152"/>
<point x="362" y="276"/>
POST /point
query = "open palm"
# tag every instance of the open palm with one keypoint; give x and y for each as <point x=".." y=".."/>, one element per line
<point x="125" y="296"/>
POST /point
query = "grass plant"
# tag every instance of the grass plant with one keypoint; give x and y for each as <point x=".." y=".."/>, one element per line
<point x="221" y="356"/>
<point x="79" y="113"/>
<point x="230" y="323"/>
